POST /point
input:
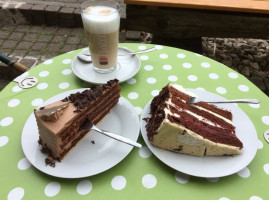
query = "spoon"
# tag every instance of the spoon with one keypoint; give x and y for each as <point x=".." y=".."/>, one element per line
<point x="87" y="57"/>
<point x="194" y="100"/>
<point x="88" y="125"/>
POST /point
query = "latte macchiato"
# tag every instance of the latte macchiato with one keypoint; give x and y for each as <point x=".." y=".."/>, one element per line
<point x="101" y="25"/>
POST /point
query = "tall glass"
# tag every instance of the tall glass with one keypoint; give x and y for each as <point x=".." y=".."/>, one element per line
<point x="101" y="21"/>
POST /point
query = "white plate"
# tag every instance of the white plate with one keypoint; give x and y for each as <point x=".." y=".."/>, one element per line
<point x="215" y="166"/>
<point x="128" y="67"/>
<point x="86" y="159"/>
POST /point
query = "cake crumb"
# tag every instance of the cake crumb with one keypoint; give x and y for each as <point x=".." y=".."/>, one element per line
<point x="92" y="142"/>
<point x="50" y="161"/>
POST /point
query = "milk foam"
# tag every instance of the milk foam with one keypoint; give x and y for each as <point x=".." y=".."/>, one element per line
<point x="95" y="22"/>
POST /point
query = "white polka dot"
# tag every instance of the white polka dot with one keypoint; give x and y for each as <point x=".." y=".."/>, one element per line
<point x="221" y="90"/>
<point x="142" y="47"/>
<point x="158" y="47"/>
<point x="265" y="120"/>
<point x="66" y="71"/>
<point x="70" y="51"/>
<point x="266" y="168"/>
<point x="255" y="198"/>
<point x="144" y="57"/>
<point x="181" y="55"/>
<point x="3" y="141"/>
<point x="172" y="78"/>
<point x="224" y="198"/>
<point x="63" y="85"/>
<point x="151" y="80"/>
<point x="6" y="121"/>
<point x="67" y="61"/>
<point x="47" y="62"/>
<point x="13" y="102"/>
<point x="244" y="173"/>
<point x="37" y="102"/>
<point x="42" y="86"/>
<point x="16" y="194"/>
<point x="233" y="75"/>
<point x="197" y="54"/>
<point x="155" y="92"/>
<point x="163" y="56"/>
<point x="243" y="88"/>
<point x="43" y="73"/>
<point x="167" y="67"/>
<point x="138" y="110"/>
<point x="213" y="180"/>
<point x="187" y="65"/>
<point x="16" y="89"/>
<point x="52" y="189"/>
<point x="25" y="74"/>
<point x="24" y="164"/>
<point x="84" y="187"/>
<point x="118" y="182"/>
<point x="148" y="67"/>
<point x="260" y="144"/>
<point x="182" y="178"/>
<point x="213" y="76"/>
<point x="149" y="181"/>
<point x="254" y="105"/>
<point x="144" y="152"/>
<point x="205" y="65"/>
<point x="201" y="89"/>
<point x="131" y="81"/>
<point x="192" y="78"/>
<point x="133" y="95"/>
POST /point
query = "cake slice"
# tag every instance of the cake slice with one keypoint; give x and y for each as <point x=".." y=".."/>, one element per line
<point x="200" y="129"/>
<point x="59" y="123"/>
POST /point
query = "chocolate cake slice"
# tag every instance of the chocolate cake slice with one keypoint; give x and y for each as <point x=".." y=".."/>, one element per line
<point x="200" y="129"/>
<point x="59" y="123"/>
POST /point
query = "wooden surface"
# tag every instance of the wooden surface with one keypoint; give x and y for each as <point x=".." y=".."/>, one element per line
<point x="250" y="6"/>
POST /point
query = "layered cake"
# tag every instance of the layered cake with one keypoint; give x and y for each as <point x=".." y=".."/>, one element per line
<point x="200" y="129"/>
<point x="59" y="123"/>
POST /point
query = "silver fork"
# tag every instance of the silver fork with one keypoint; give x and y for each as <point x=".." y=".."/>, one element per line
<point x="88" y="125"/>
<point x="194" y="100"/>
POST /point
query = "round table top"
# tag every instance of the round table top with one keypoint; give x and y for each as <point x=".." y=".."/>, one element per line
<point x="140" y="175"/>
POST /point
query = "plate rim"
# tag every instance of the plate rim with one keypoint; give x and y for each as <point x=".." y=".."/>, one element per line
<point x="137" y="68"/>
<point x="157" y="151"/>
<point x="36" y="148"/>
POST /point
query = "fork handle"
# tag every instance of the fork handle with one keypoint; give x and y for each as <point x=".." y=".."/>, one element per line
<point x="253" y="101"/>
<point x="118" y="137"/>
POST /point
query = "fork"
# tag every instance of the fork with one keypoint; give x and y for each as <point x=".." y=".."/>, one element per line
<point x="88" y="125"/>
<point x="194" y="100"/>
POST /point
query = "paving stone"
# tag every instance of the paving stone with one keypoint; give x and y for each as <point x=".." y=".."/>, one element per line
<point x="59" y="39"/>
<point x="16" y="36"/>
<point x="9" y="44"/>
<point x="23" y="28"/>
<point x="19" y="52"/>
<point x="28" y="62"/>
<point x="34" y="53"/>
<point x="66" y="13"/>
<point x="77" y="32"/>
<point x="68" y="47"/>
<point x="84" y="42"/>
<point x="1" y="40"/>
<point x="30" y="37"/>
<point x="38" y="14"/>
<point x="64" y="31"/>
<point x="25" y="45"/>
<point x="44" y="38"/>
<point x="4" y="34"/>
<point x="9" y="28"/>
<point x="37" y="29"/>
<point x="54" y="47"/>
<point x="73" y="40"/>
<point x="5" y="51"/>
<point x="258" y="82"/>
<point x="39" y="46"/>
<point x="51" y="29"/>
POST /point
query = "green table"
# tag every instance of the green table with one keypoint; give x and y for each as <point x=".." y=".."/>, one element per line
<point x="140" y="175"/>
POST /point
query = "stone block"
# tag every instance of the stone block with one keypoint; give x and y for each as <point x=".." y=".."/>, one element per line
<point x="30" y="37"/>
<point x="24" y="45"/>
<point x="67" y="17"/>
<point x="38" y="14"/>
<point x="25" y="9"/>
<point x="52" y="16"/>
<point x="9" y="44"/>
<point x="77" y="17"/>
<point x="133" y="35"/>
<point x="259" y="83"/>
<point x="16" y="36"/>
<point x="28" y="62"/>
<point x="4" y="34"/>
<point x="73" y="40"/>
<point x="39" y="46"/>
